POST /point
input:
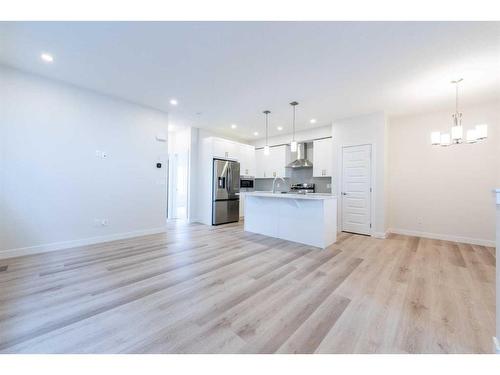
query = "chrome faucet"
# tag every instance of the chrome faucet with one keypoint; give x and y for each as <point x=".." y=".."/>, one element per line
<point x="274" y="183"/>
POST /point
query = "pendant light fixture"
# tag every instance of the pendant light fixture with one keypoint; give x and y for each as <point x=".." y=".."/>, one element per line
<point x="478" y="133"/>
<point x="293" y="143"/>
<point x="266" y="147"/>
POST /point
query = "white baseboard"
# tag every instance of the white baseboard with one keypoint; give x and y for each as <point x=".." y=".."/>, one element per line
<point x="496" y="346"/>
<point x="380" y="235"/>
<point x="11" y="253"/>
<point x="444" y="237"/>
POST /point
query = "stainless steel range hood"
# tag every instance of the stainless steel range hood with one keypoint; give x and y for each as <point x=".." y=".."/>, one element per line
<point x="301" y="160"/>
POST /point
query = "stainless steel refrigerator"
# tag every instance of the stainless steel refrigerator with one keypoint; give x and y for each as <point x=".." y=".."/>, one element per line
<point x="225" y="189"/>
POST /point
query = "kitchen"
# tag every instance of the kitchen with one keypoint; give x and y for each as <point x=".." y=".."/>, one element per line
<point x="282" y="177"/>
<point x="222" y="216"/>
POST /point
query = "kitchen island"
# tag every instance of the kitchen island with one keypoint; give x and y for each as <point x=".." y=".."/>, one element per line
<point x="310" y="219"/>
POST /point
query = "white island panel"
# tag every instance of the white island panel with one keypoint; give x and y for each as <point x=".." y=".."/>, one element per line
<point x="309" y="220"/>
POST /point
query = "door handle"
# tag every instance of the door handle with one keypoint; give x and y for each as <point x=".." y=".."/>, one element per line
<point x="343" y="193"/>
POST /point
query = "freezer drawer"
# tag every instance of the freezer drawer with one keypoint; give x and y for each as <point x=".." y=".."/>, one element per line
<point x="225" y="211"/>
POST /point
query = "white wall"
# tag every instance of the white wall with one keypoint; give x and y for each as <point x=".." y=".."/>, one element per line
<point x="179" y="141"/>
<point x="365" y="129"/>
<point x="54" y="186"/>
<point x="303" y="135"/>
<point x="498" y="273"/>
<point x="444" y="192"/>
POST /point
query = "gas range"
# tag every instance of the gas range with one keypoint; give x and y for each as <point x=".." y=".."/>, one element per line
<point x="302" y="188"/>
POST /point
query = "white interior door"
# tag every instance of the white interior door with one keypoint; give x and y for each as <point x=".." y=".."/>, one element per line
<point x="356" y="189"/>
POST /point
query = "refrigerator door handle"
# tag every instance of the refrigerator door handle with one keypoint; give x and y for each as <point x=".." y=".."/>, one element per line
<point x="229" y="179"/>
<point x="221" y="182"/>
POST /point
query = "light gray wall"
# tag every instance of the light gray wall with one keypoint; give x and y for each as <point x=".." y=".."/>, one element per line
<point x="54" y="186"/>
<point x="444" y="192"/>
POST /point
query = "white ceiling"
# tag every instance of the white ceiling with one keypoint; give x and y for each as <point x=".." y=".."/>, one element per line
<point x="229" y="72"/>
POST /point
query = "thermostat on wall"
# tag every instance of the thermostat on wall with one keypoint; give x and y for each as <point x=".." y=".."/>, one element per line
<point x="161" y="137"/>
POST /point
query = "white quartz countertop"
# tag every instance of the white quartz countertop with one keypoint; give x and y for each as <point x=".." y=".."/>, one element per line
<point x="268" y="194"/>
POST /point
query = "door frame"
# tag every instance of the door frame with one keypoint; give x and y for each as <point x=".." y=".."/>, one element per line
<point x="341" y="182"/>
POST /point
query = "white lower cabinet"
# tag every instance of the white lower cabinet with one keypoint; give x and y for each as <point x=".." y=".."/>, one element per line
<point x="242" y="206"/>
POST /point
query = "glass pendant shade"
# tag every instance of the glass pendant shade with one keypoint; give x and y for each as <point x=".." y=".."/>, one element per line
<point x="474" y="135"/>
<point x="457" y="133"/>
<point x="266" y="147"/>
<point x="445" y="139"/>
<point x="481" y="131"/>
<point x="435" y="138"/>
<point x="293" y="143"/>
<point x="471" y="136"/>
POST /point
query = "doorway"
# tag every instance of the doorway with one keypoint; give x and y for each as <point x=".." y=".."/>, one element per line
<point x="356" y="189"/>
<point x="178" y="172"/>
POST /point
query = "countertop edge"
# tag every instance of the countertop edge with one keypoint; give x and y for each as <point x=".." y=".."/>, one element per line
<point x="289" y="196"/>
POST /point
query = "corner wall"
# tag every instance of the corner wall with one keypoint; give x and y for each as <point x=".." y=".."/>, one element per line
<point x="365" y="129"/>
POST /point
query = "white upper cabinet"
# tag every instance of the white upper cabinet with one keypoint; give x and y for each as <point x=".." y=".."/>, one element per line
<point x="247" y="160"/>
<point x="272" y="165"/>
<point x="225" y="149"/>
<point x="322" y="157"/>
<point x="260" y="164"/>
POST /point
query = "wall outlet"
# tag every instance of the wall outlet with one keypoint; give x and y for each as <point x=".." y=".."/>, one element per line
<point x="101" y="154"/>
<point x="101" y="222"/>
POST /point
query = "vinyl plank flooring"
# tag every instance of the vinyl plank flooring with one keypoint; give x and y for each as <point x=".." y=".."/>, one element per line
<point x="202" y="289"/>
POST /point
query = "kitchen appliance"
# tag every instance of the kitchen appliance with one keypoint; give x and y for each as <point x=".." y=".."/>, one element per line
<point x="302" y="188"/>
<point x="225" y="191"/>
<point x="301" y="160"/>
<point x="247" y="183"/>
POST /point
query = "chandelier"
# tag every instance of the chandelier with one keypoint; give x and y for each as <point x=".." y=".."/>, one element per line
<point x="478" y="133"/>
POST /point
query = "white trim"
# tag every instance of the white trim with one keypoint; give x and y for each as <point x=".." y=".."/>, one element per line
<point x="496" y="346"/>
<point x="381" y="235"/>
<point x="11" y="253"/>
<point x="340" y="165"/>
<point x="497" y="192"/>
<point x="444" y="237"/>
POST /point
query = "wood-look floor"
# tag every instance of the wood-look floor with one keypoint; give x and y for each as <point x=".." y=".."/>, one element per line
<point x="199" y="289"/>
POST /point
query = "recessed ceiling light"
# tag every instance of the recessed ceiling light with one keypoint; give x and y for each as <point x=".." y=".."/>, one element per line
<point x="256" y="133"/>
<point x="174" y="101"/>
<point x="312" y="121"/>
<point x="233" y="126"/>
<point x="280" y="128"/>
<point x="47" y="57"/>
